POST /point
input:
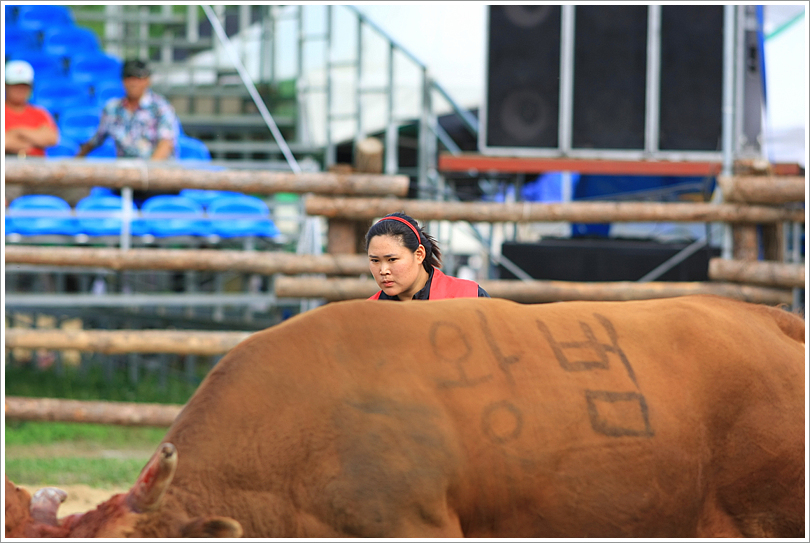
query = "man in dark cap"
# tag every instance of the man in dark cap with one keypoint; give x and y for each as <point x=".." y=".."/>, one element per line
<point x="142" y="124"/>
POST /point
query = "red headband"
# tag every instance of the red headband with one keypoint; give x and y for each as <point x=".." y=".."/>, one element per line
<point x="403" y="221"/>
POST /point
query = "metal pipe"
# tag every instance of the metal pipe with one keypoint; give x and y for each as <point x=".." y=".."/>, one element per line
<point x="391" y="131"/>
<point x="653" y="105"/>
<point x="126" y="220"/>
<point x="331" y="150"/>
<point x="729" y="39"/>
<point x="566" y="114"/>
<point x="254" y="94"/>
<point x="358" y="137"/>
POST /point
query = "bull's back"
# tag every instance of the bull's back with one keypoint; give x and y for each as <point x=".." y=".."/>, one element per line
<point x="494" y="409"/>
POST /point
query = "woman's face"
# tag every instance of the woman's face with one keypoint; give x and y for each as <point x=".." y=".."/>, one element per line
<point x="395" y="268"/>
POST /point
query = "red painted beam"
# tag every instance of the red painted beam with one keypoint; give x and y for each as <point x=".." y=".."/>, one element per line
<point x="487" y="164"/>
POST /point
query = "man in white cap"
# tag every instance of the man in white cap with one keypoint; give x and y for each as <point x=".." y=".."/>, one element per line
<point x="29" y="129"/>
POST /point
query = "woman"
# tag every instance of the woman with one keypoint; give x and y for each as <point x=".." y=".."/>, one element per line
<point x="405" y="263"/>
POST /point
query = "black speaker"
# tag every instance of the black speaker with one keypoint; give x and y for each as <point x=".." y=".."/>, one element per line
<point x="523" y="78"/>
<point x="691" y="116"/>
<point x="604" y="260"/>
<point x="610" y="77"/>
<point x="609" y="96"/>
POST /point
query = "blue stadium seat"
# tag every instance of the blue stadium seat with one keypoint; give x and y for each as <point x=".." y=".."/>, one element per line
<point x="19" y="40"/>
<point x="79" y="123"/>
<point x="192" y="149"/>
<point x="47" y="68"/>
<point x="257" y="223"/>
<point x="106" y="89"/>
<point x="65" y="148"/>
<point x="194" y="225"/>
<point x="100" y="226"/>
<point x="105" y="150"/>
<point x="57" y="98"/>
<point x="11" y="15"/>
<point x="87" y="68"/>
<point x="40" y="18"/>
<point x="101" y="191"/>
<point x="205" y="197"/>
<point x="32" y="226"/>
<point x="68" y="41"/>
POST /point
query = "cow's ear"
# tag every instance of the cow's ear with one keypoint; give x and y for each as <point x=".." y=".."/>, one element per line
<point x="212" y="527"/>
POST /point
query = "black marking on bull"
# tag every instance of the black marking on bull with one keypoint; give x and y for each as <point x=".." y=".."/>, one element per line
<point x="488" y="426"/>
<point x="464" y="380"/>
<point x="503" y="361"/>
<point x="630" y="419"/>
<point x="614" y="346"/>
<point x="601" y="349"/>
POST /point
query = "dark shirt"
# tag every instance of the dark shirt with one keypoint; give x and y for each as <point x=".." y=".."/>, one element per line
<point x="425" y="292"/>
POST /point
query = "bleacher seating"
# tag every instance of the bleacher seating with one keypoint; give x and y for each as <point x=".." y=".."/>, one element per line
<point x="33" y="226"/>
<point x="259" y="225"/>
<point x="99" y="226"/>
<point x="205" y="197"/>
<point x="68" y="41"/>
<point x="192" y="148"/>
<point x="107" y="89"/>
<point x="161" y="227"/>
<point x="74" y="78"/>
<point x="64" y="149"/>
<point x="92" y="67"/>
<point x="18" y="39"/>
<point x="104" y="151"/>
<point x="42" y="17"/>
<point x="79" y="123"/>
<point x="58" y="98"/>
<point x="46" y="67"/>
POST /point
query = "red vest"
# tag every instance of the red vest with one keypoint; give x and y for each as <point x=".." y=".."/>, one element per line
<point x="443" y="286"/>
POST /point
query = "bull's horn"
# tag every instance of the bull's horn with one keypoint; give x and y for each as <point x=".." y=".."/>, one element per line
<point x="154" y="480"/>
<point x="44" y="504"/>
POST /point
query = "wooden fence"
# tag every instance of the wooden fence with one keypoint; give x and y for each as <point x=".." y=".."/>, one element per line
<point x="149" y="176"/>
<point x="589" y="212"/>
<point x="198" y="342"/>
<point x="120" y="413"/>
<point x="262" y="262"/>
<point x="334" y="289"/>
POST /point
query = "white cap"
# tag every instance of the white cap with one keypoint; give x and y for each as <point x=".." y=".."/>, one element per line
<point x="19" y="72"/>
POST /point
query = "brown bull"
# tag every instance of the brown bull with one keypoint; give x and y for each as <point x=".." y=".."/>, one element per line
<point x="485" y="418"/>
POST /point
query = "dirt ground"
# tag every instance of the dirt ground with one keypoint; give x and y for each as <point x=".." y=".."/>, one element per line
<point x="80" y="498"/>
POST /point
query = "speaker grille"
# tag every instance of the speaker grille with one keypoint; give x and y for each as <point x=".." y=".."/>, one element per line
<point x="523" y="81"/>
<point x="691" y="78"/>
<point x="610" y="65"/>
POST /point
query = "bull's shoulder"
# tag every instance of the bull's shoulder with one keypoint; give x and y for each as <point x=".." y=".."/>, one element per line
<point x="790" y="324"/>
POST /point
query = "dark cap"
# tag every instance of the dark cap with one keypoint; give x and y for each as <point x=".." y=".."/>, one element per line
<point x="135" y="68"/>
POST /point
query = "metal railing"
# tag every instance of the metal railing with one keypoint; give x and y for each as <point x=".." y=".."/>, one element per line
<point x="329" y="69"/>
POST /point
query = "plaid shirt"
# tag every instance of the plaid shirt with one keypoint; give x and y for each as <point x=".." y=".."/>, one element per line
<point x="137" y="133"/>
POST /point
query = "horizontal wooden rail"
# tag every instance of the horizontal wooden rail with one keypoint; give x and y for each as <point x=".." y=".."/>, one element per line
<point x="120" y="413"/>
<point x="757" y="272"/>
<point x="542" y="291"/>
<point x="762" y="189"/>
<point x="262" y="262"/>
<point x="125" y="341"/>
<point x="590" y="212"/>
<point x="143" y="176"/>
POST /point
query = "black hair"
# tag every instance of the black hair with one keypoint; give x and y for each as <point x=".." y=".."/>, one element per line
<point x="135" y="68"/>
<point x="433" y="255"/>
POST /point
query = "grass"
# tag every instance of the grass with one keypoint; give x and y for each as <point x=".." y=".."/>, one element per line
<point x="73" y="384"/>
<point x="97" y="455"/>
<point x="93" y="472"/>
<point x="49" y="433"/>
<point x="57" y="453"/>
